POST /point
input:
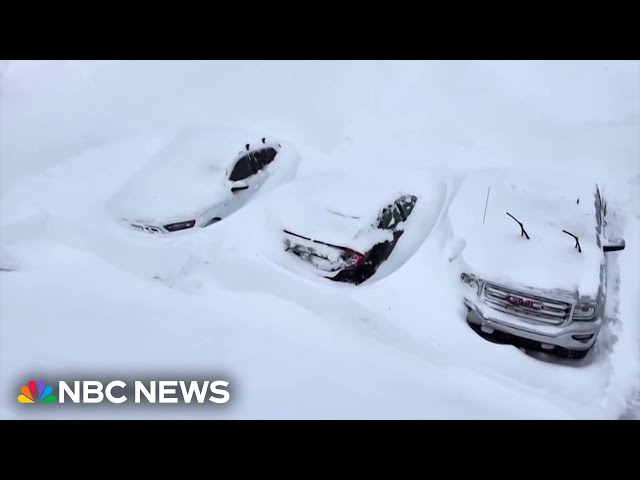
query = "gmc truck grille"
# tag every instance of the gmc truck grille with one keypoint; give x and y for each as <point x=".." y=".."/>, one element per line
<point x="524" y="305"/>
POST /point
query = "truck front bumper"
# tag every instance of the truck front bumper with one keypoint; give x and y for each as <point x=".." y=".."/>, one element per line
<point x="573" y="336"/>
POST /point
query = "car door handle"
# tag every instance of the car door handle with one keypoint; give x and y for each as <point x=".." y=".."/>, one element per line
<point x="237" y="189"/>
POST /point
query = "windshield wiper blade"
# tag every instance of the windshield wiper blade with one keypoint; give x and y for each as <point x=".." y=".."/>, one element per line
<point x="577" y="241"/>
<point x="523" y="232"/>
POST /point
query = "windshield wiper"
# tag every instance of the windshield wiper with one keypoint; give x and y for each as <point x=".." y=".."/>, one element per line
<point x="577" y="241"/>
<point x="523" y="231"/>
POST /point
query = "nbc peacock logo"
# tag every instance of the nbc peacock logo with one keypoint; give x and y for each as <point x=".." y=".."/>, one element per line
<point x="36" y="392"/>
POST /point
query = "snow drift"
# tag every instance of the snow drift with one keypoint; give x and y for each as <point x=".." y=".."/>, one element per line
<point x="96" y="297"/>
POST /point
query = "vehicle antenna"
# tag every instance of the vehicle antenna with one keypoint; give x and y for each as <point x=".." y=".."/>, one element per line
<point x="485" y="205"/>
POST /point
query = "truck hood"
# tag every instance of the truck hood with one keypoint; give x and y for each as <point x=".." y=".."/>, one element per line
<point x="495" y="248"/>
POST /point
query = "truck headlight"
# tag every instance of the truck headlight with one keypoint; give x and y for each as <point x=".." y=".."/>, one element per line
<point x="471" y="280"/>
<point x="585" y="311"/>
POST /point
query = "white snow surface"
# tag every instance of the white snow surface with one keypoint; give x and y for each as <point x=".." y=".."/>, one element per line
<point x="546" y="205"/>
<point x="7" y="261"/>
<point x="92" y="298"/>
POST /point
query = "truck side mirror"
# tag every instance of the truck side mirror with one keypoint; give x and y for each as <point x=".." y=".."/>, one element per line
<point x="613" y="245"/>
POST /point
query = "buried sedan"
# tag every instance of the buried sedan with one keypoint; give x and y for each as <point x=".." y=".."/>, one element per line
<point x="202" y="176"/>
<point x="346" y="228"/>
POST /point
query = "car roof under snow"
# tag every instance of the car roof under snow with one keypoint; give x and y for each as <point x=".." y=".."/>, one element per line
<point x="546" y="205"/>
<point x="187" y="175"/>
<point x="336" y="209"/>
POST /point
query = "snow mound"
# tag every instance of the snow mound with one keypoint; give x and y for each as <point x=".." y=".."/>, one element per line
<point x="7" y="261"/>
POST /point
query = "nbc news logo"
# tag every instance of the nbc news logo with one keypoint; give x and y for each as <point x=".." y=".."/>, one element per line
<point x="118" y="391"/>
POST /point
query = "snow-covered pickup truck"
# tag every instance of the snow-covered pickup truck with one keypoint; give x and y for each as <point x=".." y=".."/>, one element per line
<point x="532" y="250"/>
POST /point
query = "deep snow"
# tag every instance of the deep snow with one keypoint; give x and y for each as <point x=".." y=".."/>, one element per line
<point x="7" y="261"/>
<point x="90" y="295"/>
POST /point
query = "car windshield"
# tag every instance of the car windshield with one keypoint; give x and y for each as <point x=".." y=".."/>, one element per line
<point x="405" y="205"/>
<point x="389" y="218"/>
<point x="264" y="156"/>
<point x="241" y="170"/>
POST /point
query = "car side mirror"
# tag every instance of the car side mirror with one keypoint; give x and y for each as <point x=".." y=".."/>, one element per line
<point x="239" y="186"/>
<point x="613" y="245"/>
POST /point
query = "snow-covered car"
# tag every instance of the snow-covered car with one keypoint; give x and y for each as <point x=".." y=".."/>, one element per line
<point x="202" y="176"/>
<point x="345" y="233"/>
<point x="533" y="255"/>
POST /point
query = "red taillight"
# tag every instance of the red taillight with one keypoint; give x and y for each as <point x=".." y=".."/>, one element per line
<point x="352" y="258"/>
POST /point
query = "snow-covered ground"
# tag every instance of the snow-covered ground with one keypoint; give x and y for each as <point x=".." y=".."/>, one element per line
<point x="87" y="295"/>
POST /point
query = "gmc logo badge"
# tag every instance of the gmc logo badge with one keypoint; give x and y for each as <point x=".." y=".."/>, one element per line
<point x="521" y="302"/>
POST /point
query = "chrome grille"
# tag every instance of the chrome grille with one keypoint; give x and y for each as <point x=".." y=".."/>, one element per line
<point x="525" y="305"/>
